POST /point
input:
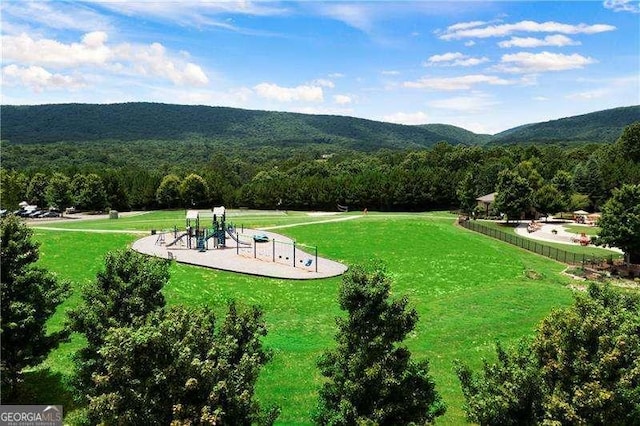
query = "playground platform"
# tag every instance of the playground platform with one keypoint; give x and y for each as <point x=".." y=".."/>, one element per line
<point x="274" y="260"/>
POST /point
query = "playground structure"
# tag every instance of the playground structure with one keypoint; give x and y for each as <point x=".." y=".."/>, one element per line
<point x="256" y="252"/>
<point x="198" y="237"/>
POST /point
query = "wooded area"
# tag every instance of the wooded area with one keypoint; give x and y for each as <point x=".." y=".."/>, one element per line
<point x="123" y="176"/>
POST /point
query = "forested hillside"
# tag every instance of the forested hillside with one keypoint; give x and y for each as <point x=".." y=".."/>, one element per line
<point x="233" y="127"/>
<point x="150" y="121"/>
<point x="130" y="156"/>
<point x="596" y="127"/>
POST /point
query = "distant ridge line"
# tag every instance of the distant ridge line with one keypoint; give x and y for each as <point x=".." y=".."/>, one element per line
<point x="157" y="121"/>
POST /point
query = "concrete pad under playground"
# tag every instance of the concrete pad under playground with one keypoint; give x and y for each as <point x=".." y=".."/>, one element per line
<point x="241" y="259"/>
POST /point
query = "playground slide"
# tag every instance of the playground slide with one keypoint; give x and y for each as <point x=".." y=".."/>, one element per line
<point x="181" y="236"/>
<point x="234" y="237"/>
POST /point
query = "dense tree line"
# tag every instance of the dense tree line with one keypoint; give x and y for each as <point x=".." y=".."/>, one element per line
<point x="551" y="178"/>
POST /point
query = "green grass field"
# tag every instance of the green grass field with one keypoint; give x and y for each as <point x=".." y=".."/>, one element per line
<point x="468" y="289"/>
<point x="577" y="229"/>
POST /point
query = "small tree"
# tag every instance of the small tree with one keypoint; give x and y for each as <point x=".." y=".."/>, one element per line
<point x="36" y="191"/>
<point x="58" y="192"/>
<point x="128" y="289"/>
<point x="168" y="193"/>
<point x="30" y="296"/>
<point x="629" y="142"/>
<point x="620" y="222"/>
<point x="588" y="180"/>
<point x="579" y="202"/>
<point x="467" y="192"/>
<point x="548" y="199"/>
<point x="13" y="188"/>
<point x="371" y="379"/>
<point x="513" y="194"/>
<point x="175" y="368"/>
<point x="581" y="368"/>
<point x="92" y="195"/>
<point x="194" y="191"/>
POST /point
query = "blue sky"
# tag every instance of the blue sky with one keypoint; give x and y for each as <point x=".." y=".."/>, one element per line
<point x="485" y="66"/>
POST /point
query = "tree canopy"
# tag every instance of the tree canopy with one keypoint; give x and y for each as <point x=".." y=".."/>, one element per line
<point x="128" y="289"/>
<point x="371" y="377"/>
<point x="513" y="194"/>
<point x="30" y="296"/>
<point x="620" y="222"/>
<point x="177" y="367"/>
<point x="580" y="368"/>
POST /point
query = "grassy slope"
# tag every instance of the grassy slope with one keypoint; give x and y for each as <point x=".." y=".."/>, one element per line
<point x="468" y="289"/>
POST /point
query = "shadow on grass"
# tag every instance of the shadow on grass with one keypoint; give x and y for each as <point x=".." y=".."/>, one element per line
<point x="44" y="387"/>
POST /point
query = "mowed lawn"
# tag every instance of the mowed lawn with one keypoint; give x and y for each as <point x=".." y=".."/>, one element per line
<point x="468" y="289"/>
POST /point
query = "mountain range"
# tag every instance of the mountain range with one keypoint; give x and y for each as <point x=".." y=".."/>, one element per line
<point x="41" y="124"/>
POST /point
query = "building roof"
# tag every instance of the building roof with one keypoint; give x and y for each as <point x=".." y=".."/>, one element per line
<point x="489" y="198"/>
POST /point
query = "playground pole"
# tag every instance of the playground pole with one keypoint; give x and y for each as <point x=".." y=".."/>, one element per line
<point x="273" y="251"/>
<point x="254" y="248"/>
<point x="316" y="258"/>
<point x="294" y="254"/>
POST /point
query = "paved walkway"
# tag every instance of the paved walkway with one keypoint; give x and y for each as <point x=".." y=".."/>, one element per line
<point x="269" y="259"/>
<point x="545" y="233"/>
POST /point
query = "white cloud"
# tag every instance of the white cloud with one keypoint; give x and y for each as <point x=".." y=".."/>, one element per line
<point x="411" y="118"/>
<point x="540" y="98"/>
<point x="93" y="50"/>
<point x="467" y="104"/>
<point x="342" y="99"/>
<point x="470" y="43"/>
<point x="557" y="40"/>
<point x="455" y="83"/>
<point x="195" y="12"/>
<point x="454" y="59"/>
<point x="356" y="15"/>
<point x="39" y="79"/>
<point x="525" y="62"/>
<point x="289" y="94"/>
<point x="57" y="15"/>
<point x="446" y="57"/>
<point x="588" y="95"/>
<point x="336" y="75"/>
<point x="503" y="30"/>
<point x="24" y="49"/>
<point x="465" y="25"/>
<point x="390" y="72"/>
<point x="622" y="5"/>
<point x="323" y="83"/>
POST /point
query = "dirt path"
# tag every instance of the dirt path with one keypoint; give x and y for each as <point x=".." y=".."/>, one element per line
<point x="340" y="219"/>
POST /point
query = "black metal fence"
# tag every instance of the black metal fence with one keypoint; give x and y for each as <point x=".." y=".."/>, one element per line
<point x="541" y="248"/>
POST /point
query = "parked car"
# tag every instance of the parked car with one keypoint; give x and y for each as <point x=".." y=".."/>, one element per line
<point x="50" y="213"/>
